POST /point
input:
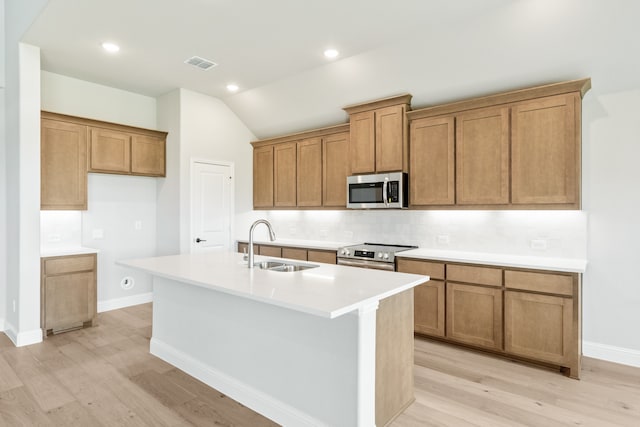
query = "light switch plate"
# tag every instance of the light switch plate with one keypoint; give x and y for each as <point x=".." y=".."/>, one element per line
<point x="539" y="244"/>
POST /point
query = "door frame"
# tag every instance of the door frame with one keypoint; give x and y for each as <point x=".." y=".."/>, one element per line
<point x="231" y="165"/>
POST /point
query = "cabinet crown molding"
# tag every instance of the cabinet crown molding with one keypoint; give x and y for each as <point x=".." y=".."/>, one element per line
<point x="581" y="86"/>
<point x="101" y="124"/>
<point x="314" y="133"/>
<point x="404" y="98"/>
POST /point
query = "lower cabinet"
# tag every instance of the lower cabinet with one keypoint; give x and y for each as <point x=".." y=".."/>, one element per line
<point x="301" y="254"/>
<point x="474" y="315"/>
<point x="68" y="297"/>
<point x="533" y="315"/>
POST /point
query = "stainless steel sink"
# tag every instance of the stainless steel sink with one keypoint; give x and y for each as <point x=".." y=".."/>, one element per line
<point x="283" y="266"/>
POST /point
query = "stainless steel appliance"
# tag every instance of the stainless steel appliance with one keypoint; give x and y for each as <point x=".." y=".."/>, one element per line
<point x="371" y="255"/>
<point x="377" y="191"/>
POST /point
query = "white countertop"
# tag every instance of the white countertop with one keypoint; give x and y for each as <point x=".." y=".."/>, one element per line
<point x="64" y="251"/>
<point x="299" y="243"/>
<point x="572" y="265"/>
<point x="327" y="291"/>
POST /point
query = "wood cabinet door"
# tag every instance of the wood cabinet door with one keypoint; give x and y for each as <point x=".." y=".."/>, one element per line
<point x="429" y="308"/>
<point x="309" y="176"/>
<point x="294" y="253"/>
<point x="474" y="315"/>
<point x="390" y="138"/>
<point x="482" y="157"/>
<point x="70" y="300"/>
<point x="539" y="326"/>
<point x="335" y="169"/>
<point x="432" y="162"/>
<point x="545" y="140"/>
<point x="263" y="177"/>
<point x="284" y="174"/>
<point x="109" y="151"/>
<point x="328" y="257"/>
<point x="274" y="251"/>
<point x="362" y="151"/>
<point x="147" y="155"/>
<point x="63" y="165"/>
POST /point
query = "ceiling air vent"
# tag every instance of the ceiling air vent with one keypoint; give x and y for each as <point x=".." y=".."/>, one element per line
<point x="203" y="64"/>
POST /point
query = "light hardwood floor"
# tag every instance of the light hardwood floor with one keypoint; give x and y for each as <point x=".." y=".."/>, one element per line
<point x="105" y="376"/>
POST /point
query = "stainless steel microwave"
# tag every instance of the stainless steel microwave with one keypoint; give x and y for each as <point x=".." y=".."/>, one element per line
<point x="377" y="191"/>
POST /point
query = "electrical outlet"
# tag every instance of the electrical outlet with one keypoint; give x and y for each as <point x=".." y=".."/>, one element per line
<point x="53" y="238"/>
<point x="443" y="239"/>
<point x="539" y="244"/>
<point x="14" y="306"/>
<point x="138" y="225"/>
<point x="323" y="233"/>
<point x="127" y="283"/>
<point x="97" y="233"/>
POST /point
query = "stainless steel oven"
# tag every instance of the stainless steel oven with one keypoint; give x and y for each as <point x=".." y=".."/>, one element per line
<point x="376" y="256"/>
<point x="377" y="191"/>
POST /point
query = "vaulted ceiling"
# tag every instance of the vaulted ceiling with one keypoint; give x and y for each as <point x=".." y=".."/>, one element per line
<point x="437" y="50"/>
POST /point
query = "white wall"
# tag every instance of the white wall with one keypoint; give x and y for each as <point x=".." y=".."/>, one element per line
<point x="207" y="130"/>
<point x="22" y="124"/>
<point x="115" y="202"/>
<point x="168" y="190"/>
<point x="611" y="145"/>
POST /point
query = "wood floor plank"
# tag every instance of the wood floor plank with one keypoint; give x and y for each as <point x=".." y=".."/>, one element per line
<point x="18" y="408"/>
<point x="8" y="377"/>
<point x="72" y="415"/>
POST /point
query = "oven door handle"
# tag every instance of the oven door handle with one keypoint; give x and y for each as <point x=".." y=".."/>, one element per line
<point x="368" y="264"/>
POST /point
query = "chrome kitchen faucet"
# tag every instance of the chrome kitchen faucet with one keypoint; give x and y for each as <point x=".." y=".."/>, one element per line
<point x="272" y="236"/>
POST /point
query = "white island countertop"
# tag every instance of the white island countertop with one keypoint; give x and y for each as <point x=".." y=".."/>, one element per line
<point x="571" y="265"/>
<point x="327" y="290"/>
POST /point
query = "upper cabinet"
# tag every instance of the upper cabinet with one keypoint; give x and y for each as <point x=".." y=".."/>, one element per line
<point x="515" y="150"/>
<point x="72" y="146"/>
<point x="284" y="175"/>
<point x="263" y="177"/>
<point x="63" y="165"/>
<point x="379" y="137"/>
<point x="545" y="139"/>
<point x="306" y="170"/>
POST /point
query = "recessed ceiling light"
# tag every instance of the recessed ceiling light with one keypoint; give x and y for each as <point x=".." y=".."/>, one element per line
<point x="110" y="47"/>
<point x="331" y="53"/>
<point x="232" y="87"/>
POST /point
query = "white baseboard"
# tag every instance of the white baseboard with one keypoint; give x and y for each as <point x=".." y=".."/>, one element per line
<point x="116" y="303"/>
<point x="21" y="339"/>
<point x="610" y="353"/>
<point x="262" y="403"/>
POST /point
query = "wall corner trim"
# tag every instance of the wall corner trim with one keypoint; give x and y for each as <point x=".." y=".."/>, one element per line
<point x="624" y="356"/>
<point x="21" y="339"/>
<point x="116" y="303"/>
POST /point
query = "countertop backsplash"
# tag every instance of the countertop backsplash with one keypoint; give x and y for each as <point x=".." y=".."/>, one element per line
<point x="536" y="233"/>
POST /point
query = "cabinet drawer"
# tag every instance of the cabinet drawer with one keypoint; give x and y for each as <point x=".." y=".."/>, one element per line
<point x="328" y="257"/>
<point x="274" y="251"/>
<point x="477" y="275"/>
<point x="69" y="264"/>
<point x="539" y="282"/>
<point x="434" y="270"/>
<point x="294" y="253"/>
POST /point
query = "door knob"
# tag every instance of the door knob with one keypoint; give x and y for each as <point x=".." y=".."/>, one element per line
<point x="198" y="240"/>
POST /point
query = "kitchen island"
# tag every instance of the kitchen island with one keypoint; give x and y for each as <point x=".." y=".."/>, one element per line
<point x="331" y="345"/>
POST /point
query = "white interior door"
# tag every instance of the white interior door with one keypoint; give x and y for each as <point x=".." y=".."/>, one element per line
<point x="211" y="206"/>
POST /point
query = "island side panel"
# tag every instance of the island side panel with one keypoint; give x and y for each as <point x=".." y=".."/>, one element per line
<point x="394" y="357"/>
<point x="264" y="356"/>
